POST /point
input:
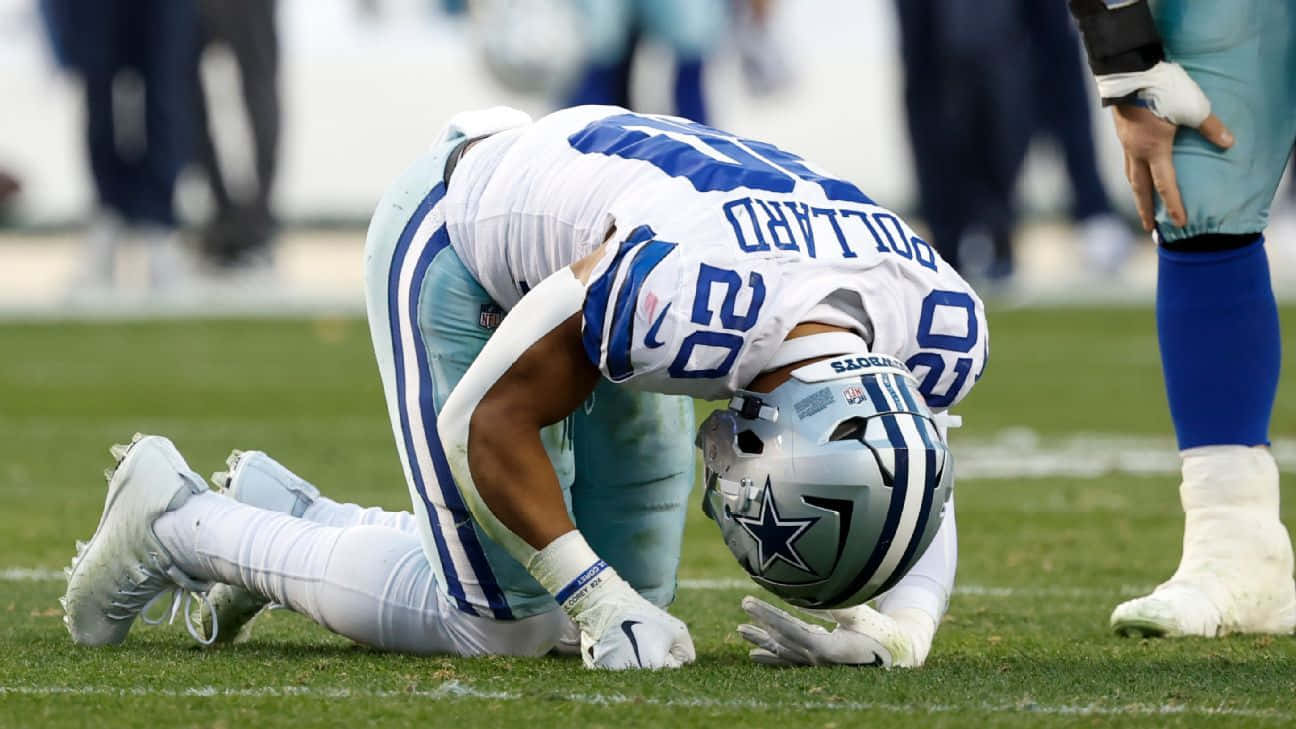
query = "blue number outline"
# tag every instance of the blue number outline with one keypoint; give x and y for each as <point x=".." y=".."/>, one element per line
<point x="936" y="362"/>
<point x="708" y="277"/>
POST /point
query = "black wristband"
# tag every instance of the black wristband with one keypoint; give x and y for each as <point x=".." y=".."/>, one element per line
<point x="1124" y="40"/>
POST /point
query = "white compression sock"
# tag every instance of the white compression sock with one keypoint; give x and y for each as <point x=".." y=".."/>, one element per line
<point x="369" y="583"/>
<point x="928" y="585"/>
<point x="324" y="510"/>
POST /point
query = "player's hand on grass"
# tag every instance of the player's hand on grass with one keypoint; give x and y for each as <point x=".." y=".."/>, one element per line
<point x="619" y="629"/>
<point x="1165" y="98"/>
<point x="643" y="636"/>
<point x="863" y="637"/>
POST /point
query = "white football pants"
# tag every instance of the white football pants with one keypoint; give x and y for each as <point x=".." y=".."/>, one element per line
<point x="362" y="574"/>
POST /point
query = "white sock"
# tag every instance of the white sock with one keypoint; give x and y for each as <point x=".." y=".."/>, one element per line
<point x="928" y="585"/>
<point x="324" y="510"/>
<point x="369" y="583"/>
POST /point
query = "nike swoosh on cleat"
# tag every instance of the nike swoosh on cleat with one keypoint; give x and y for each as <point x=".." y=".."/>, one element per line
<point x="627" y="627"/>
<point x="650" y="339"/>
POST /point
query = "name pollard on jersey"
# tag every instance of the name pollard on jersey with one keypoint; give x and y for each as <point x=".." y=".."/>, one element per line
<point x="721" y="246"/>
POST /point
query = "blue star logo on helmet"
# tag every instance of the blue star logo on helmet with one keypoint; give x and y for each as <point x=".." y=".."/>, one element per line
<point x="775" y="536"/>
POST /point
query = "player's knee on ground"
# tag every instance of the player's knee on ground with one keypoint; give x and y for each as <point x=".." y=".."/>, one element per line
<point x="380" y="590"/>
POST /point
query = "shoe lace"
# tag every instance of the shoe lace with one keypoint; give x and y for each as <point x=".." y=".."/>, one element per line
<point x="159" y="580"/>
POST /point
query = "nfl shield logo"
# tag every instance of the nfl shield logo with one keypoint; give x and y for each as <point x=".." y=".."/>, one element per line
<point x="490" y="316"/>
<point x="854" y="395"/>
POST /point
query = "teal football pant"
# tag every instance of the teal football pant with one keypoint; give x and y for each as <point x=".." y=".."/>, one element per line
<point x="625" y="459"/>
<point x="1243" y="55"/>
<point x="690" y="28"/>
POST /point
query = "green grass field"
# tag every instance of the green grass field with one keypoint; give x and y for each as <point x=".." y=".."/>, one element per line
<point x="1044" y="554"/>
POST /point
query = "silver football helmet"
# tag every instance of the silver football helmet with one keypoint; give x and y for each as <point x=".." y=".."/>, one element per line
<point x="829" y="488"/>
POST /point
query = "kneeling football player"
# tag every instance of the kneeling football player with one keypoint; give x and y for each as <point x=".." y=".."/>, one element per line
<point x="548" y="453"/>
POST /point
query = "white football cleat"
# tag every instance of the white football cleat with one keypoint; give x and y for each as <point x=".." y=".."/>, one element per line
<point x="255" y="479"/>
<point x="124" y="568"/>
<point x="1236" y="572"/>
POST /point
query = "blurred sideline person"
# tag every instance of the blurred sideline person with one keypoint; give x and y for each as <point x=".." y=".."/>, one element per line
<point x="240" y="233"/>
<point x="1181" y="78"/>
<point x="614" y="29"/>
<point x="1062" y="111"/>
<point x="968" y="84"/>
<point x="133" y="56"/>
<point x="9" y="188"/>
<point x="548" y="453"/>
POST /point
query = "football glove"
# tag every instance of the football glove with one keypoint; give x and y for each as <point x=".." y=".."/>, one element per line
<point x="863" y="637"/>
<point x="1166" y="89"/>
<point x="620" y="629"/>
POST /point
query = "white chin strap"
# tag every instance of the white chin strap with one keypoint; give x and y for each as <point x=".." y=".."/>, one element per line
<point x="811" y="346"/>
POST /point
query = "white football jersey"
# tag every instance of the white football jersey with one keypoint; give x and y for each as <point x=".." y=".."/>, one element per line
<point x="721" y="246"/>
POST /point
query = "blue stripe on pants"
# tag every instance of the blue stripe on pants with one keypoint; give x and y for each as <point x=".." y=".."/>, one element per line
<point x="453" y="586"/>
<point x="464" y="525"/>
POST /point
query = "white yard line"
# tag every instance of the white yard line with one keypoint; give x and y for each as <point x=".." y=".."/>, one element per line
<point x="30" y="574"/>
<point x="975" y="590"/>
<point x="456" y="690"/>
<point x="1023" y="453"/>
<point x="1017" y="452"/>
<point x="41" y="574"/>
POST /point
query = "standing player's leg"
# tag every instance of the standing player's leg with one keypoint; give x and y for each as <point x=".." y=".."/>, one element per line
<point x="1214" y="294"/>
<point x="634" y="471"/>
<point x="610" y="39"/>
<point x="691" y="28"/>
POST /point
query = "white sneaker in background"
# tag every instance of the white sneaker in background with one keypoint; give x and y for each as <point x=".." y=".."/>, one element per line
<point x="1108" y="243"/>
<point x="1235" y="575"/>
<point x="168" y="262"/>
<point x="97" y="270"/>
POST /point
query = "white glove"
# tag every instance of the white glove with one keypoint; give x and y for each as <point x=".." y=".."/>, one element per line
<point x="1166" y="88"/>
<point x="642" y="636"/>
<point x="863" y="637"/>
<point x="618" y="627"/>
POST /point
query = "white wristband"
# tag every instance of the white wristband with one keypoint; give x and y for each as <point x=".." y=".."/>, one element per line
<point x="581" y="582"/>
<point x="566" y="565"/>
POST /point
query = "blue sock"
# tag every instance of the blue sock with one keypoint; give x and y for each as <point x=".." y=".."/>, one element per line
<point x="690" y="101"/>
<point x="600" y="84"/>
<point x="1221" y="348"/>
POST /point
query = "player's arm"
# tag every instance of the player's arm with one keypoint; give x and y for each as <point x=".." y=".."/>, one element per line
<point x="534" y="372"/>
<point x="1150" y="97"/>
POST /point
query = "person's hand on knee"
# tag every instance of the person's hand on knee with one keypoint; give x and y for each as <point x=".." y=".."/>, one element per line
<point x="1149" y="106"/>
